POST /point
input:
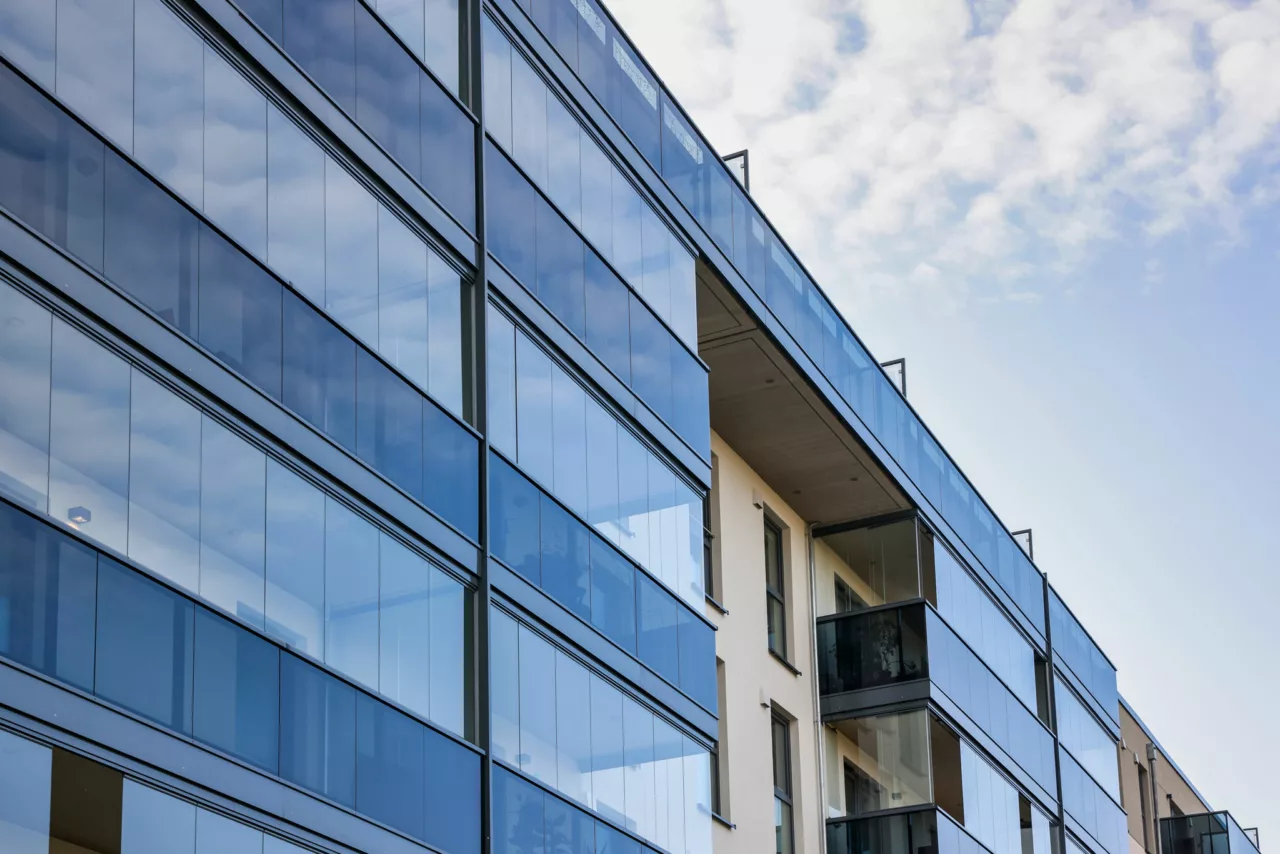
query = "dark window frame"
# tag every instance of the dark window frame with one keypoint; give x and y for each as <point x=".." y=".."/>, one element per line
<point x="780" y="728"/>
<point x="777" y="634"/>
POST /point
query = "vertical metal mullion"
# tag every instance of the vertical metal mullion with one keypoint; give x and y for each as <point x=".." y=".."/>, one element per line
<point x="1051" y="692"/>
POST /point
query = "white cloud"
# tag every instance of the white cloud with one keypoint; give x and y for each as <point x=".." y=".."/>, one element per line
<point x="986" y="140"/>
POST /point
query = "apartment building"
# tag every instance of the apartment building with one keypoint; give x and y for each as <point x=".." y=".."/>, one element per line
<point x="414" y="438"/>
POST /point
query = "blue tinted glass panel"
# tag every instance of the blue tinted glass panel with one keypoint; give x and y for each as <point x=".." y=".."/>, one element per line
<point x="559" y="22"/>
<point x="351" y="253"/>
<point x="235" y="154"/>
<point x="502" y="382"/>
<point x="497" y="83"/>
<point x="164" y="482"/>
<point x="152" y="822"/>
<point x="638" y="775"/>
<point x="634" y="101"/>
<point x="560" y="283"/>
<point x="28" y="31"/>
<point x="402" y="297"/>
<point x="387" y="98"/>
<point x="94" y="73"/>
<point x="233" y="494"/>
<point x="537" y="707"/>
<point x="318" y="731"/>
<point x="351" y="594"/>
<point x="697" y="658"/>
<point x="573" y="734"/>
<point x="608" y="328"/>
<point x="389" y="769"/>
<point x="445" y="335"/>
<point x="504" y="686"/>
<point x="405" y="18"/>
<point x="237" y="691"/>
<point x="442" y="42"/>
<point x="216" y="833"/>
<point x="613" y="595"/>
<point x="535" y="414"/>
<point x="143" y="629"/>
<point x="511" y="211"/>
<point x="48" y="597"/>
<point x="628" y="230"/>
<point x="295" y="205"/>
<point x="608" y="757"/>
<point x="452" y="796"/>
<point x="612" y="841"/>
<point x="25" y="353"/>
<point x="633" y="497"/>
<point x="650" y="359"/>
<point x="168" y="110"/>
<point x="450" y="470"/>
<point x="295" y="561"/>
<point x="448" y="153"/>
<point x="656" y="241"/>
<point x="514" y="520"/>
<point x="319" y="371"/>
<point x="450" y="653"/>
<point x="519" y="825"/>
<point x="602" y="471"/>
<point x="388" y="423"/>
<point x="240" y="321"/>
<point x="564" y="160"/>
<point x="404" y="626"/>
<point x="151" y="246"/>
<point x="566" y="562"/>
<point x="658" y="643"/>
<point x="690" y="413"/>
<point x="597" y="197"/>
<point x="51" y="170"/>
<point x="89" y="438"/>
<point x="569" y="417"/>
<point x="320" y="36"/>
<point x="529" y="120"/>
<point x="267" y="14"/>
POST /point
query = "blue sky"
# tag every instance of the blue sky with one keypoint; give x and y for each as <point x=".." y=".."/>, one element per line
<point x="1065" y="214"/>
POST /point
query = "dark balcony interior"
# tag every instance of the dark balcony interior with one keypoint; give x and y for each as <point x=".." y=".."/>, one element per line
<point x="1205" y="833"/>
<point x="762" y="405"/>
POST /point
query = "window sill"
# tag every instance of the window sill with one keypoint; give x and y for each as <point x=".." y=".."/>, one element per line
<point x="724" y="612"/>
<point x="795" y="671"/>
<point x="722" y="820"/>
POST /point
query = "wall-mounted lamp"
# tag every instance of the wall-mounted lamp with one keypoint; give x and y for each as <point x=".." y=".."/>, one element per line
<point x="80" y="515"/>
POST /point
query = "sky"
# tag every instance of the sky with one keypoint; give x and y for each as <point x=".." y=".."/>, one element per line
<point x="1065" y="215"/>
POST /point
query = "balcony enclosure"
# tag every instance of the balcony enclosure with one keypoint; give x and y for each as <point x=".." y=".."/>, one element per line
<point x="1206" y="833"/>
<point x="907" y="782"/>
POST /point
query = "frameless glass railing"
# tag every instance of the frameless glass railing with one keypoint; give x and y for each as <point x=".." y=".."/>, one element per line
<point x="1206" y="833"/>
<point x="611" y="69"/>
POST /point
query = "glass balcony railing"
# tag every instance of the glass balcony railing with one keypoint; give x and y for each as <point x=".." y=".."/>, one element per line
<point x="604" y="59"/>
<point x="890" y="646"/>
<point x="928" y="831"/>
<point x="1207" y="833"/>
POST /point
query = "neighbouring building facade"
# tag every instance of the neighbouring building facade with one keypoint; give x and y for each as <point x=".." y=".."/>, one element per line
<point x="413" y="437"/>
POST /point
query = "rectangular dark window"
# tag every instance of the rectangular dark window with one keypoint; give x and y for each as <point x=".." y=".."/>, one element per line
<point x="144" y="629"/>
<point x="237" y="691"/>
<point x="782" y="804"/>
<point x="1144" y="797"/>
<point x="775" y="587"/>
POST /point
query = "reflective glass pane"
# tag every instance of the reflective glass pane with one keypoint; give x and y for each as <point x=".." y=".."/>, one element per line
<point x="445" y="335"/>
<point x="405" y="626"/>
<point x="519" y="825"/>
<point x="613" y="595"/>
<point x="320" y="36"/>
<point x="26" y="779"/>
<point x="566" y="565"/>
<point x="168" y="110"/>
<point x="537" y="707"/>
<point x="569" y="830"/>
<point x="608" y="328"/>
<point x="497" y="83"/>
<point x="152" y="822"/>
<point x="295" y="561"/>
<point x="612" y="841"/>
<point x="628" y="218"/>
<point x="151" y="245"/>
<point x="511" y="210"/>
<point x="237" y="691"/>
<point x="602" y="470"/>
<point x="450" y="470"/>
<point x="442" y="43"/>
<point x="95" y="64"/>
<point x="233" y="494"/>
<point x="295" y="205"/>
<point x="402" y="297"/>
<point x="143" y="629"/>
<point x="515" y="527"/>
<point x="504" y="686"/>
<point x="452" y="810"/>
<point x="451" y="653"/>
<point x="48" y="599"/>
<point x="501" y="382"/>
<point x="597" y="196"/>
<point x="351" y="253"/>
<point x="608" y="758"/>
<point x="388" y="423"/>
<point x="564" y="160"/>
<point x="633" y="496"/>
<point x="28" y="31"/>
<point x="637" y="733"/>
<point x="319" y="371"/>
<point x="25" y="358"/>
<point x="697" y="658"/>
<point x="405" y="18"/>
<point x="351" y="594"/>
<point x="235" y="162"/>
<point x="267" y="14"/>
<point x="318" y="731"/>
<point x="240" y="316"/>
<point x="569" y="419"/>
<point x="535" y="419"/>
<point x="668" y="776"/>
<point x="89" y="438"/>
<point x="387" y="98"/>
<point x="216" y="834"/>
<point x="164" y="482"/>
<point x="658" y="644"/>
<point x="389" y="769"/>
<point x="560" y="269"/>
<point x="448" y="153"/>
<point x="651" y="347"/>
<point x="529" y="120"/>
<point x="573" y="729"/>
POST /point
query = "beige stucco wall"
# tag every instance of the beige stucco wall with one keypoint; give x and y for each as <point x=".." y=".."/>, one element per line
<point x="1168" y="782"/>
<point x="753" y="680"/>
